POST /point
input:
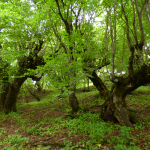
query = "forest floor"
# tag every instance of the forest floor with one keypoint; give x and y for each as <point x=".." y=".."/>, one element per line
<point x="45" y="125"/>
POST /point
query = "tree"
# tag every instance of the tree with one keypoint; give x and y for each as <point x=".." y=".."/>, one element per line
<point x="133" y="26"/>
<point x="24" y="56"/>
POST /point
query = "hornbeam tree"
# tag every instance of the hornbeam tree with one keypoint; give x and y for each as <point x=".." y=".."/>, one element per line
<point x="69" y="22"/>
<point x="134" y="26"/>
<point x="10" y="89"/>
<point x="19" y="52"/>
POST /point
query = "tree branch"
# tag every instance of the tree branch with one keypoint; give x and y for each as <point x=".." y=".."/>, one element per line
<point x="59" y="38"/>
<point x="63" y="19"/>
<point x="131" y="46"/>
<point x="135" y="33"/>
<point x="140" y="23"/>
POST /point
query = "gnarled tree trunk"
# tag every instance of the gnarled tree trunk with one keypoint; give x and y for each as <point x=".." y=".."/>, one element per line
<point x="115" y="108"/>
<point x="3" y="92"/>
<point x="11" y="95"/>
<point x="4" y="84"/>
<point x="10" y="91"/>
<point x="92" y="75"/>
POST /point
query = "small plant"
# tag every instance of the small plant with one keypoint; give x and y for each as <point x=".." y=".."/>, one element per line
<point x="41" y="148"/>
<point x="134" y="141"/>
<point x="2" y="131"/>
<point x="125" y="134"/>
<point x="14" y="147"/>
<point x="139" y="126"/>
<point x="124" y="147"/>
<point x="69" y="145"/>
<point x="16" y="130"/>
<point x="123" y="139"/>
<point x="33" y="130"/>
<point x="16" y="139"/>
<point x="3" y="120"/>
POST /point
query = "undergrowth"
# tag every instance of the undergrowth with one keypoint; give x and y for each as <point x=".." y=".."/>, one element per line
<point x="86" y="131"/>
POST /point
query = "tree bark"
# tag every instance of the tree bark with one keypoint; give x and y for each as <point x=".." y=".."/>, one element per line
<point x="11" y="95"/>
<point x="98" y="83"/>
<point x="3" y="93"/>
<point x="115" y="108"/>
<point x="4" y="85"/>
<point x="74" y="102"/>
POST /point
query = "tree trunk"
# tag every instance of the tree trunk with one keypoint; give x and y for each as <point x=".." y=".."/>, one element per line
<point x="74" y="102"/>
<point x="4" y="86"/>
<point x="11" y="95"/>
<point x="3" y="93"/>
<point x="98" y="83"/>
<point x="115" y="108"/>
<point x="33" y="92"/>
